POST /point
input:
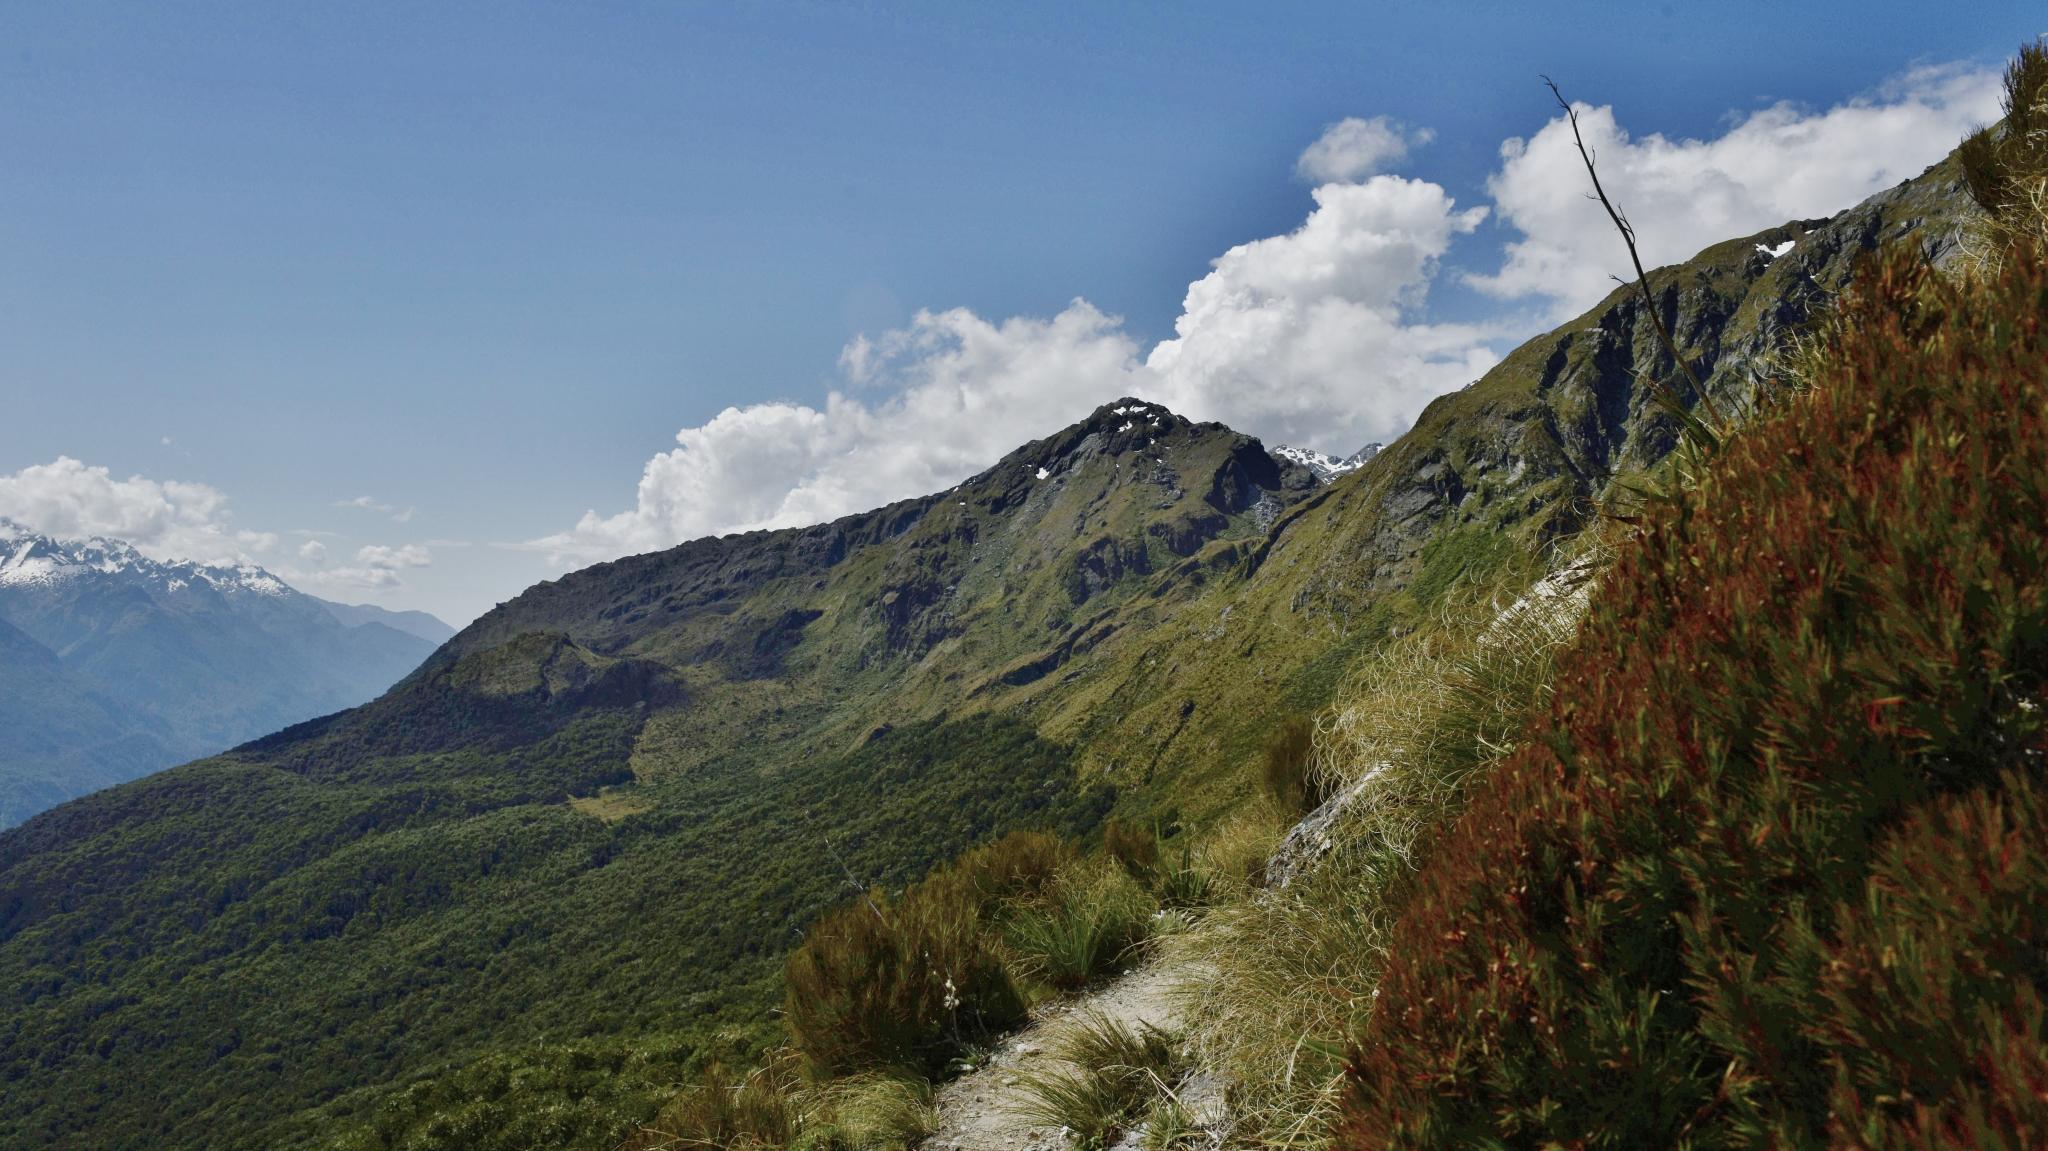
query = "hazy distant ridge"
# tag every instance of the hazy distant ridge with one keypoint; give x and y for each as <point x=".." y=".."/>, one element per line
<point x="118" y="665"/>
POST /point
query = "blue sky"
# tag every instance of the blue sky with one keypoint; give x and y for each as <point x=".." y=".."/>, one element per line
<point x="481" y="263"/>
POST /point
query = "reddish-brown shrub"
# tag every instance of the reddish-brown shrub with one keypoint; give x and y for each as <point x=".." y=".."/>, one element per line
<point x="1652" y="926"/>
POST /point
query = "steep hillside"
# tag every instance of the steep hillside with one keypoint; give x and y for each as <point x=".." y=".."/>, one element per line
<point x="417" y="623"/>
<point x="201" y="657"/>
<point x="1772" y="869"/>
<point x="62" y="736"/>
<point x="607" y="806"/>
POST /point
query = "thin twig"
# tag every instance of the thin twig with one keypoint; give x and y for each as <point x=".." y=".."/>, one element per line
<point x="1628" y="236"/>
<point x="836" y="858"/>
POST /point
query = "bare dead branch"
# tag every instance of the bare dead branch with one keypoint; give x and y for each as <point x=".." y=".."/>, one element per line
<point x="1628" y="236"/>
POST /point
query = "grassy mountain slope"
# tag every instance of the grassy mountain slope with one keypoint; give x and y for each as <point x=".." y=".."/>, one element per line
<point x="602" y="809"/>
<point x="1770" y="871"/>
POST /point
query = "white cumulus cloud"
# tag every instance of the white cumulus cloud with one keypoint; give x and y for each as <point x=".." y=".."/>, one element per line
<point x="1775" y="165"/>
<point x="1352" y="149"/>
<point x="1303" y="338"/>
<point x="964" y="392"/>
<point x="1299" y="336"/>
<point x="1315" y="338"/>
<point x="394" y="559"/>
<point x="164" y="520"/>
<point x="376" y="570"/>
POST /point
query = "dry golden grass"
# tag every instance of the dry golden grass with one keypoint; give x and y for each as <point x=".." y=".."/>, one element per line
<point x="1293" y="970"/>
<point x="612" y="804"/>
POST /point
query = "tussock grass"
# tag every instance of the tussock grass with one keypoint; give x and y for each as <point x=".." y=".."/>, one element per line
<point x="1090" y="920"/>
<point x="910" y="985"/>
<point x="761" y="1110"/>
<point x="773" y="1108"/>
<point x="1113" y="1074"/>
<point x="873" y="1113"/>
<point x="2005" y="167"/>
<point x="1294" y="971"/>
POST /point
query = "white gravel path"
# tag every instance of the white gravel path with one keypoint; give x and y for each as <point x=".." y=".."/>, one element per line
<point x="981" y="1111"/>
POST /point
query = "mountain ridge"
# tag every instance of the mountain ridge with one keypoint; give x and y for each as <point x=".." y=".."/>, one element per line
<point x="1111" y="618"/>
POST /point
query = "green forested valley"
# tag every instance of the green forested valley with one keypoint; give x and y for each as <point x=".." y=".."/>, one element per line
<point x="574" y="849"/>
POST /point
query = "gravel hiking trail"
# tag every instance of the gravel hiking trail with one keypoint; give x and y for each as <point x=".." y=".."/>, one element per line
<point x="984" y="1110"/>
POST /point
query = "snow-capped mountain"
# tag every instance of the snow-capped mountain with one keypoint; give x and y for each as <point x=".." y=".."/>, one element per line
<point x="28" y="559"/>
<point x="168" y="660"/>
<point x="1327" y="467"/>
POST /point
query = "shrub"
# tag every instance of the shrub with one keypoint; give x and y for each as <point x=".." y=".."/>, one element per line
<point x="1088" y="924"/>
<point x="1933" y="985"/>
<point x="1286" y="760"/>
<point x="1654" y="923"/>
<point x="875" y="986"/>
<point x="2005" y="166"/>
<point x="906" y="987"/>
<point x="1135" y="847"/>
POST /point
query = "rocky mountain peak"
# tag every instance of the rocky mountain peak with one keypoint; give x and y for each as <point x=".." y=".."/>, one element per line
<point x="1325" y="466"/>
<point x="31" y="558"/>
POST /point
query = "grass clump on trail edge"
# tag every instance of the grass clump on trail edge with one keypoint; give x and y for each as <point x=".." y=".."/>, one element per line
<point x="1768" y="871"/>
<point x="1293" y="968"/>
<point x="1111" y="1074"/>
<point x="915" y="986"/>
<point x="911" y="985"/>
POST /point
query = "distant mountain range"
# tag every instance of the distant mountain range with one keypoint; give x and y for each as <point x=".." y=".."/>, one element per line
<point x="114" y="665"/>
<point x="1326" y="467"/>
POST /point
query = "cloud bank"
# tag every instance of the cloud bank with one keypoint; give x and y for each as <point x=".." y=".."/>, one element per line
<point x="170" y="520"/>
<point x="164" y="521"/>
<point x="1301" y="336"/>
<point x="1353" y="149"/>
<point x="1773" y="166"/>
<point x="1317" y="338"/>
<point x="377" y="568"/>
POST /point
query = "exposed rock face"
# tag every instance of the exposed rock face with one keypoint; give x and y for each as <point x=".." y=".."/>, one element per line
<point x="1307" y="842"/>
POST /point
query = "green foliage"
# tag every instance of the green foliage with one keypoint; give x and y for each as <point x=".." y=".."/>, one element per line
<point x="583" y="1096"/>
<point x="308" y="939"/>
<point x="1691" y="907"/>
<point x="1472" y="556"/>
<point x="2005" y="165"/>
